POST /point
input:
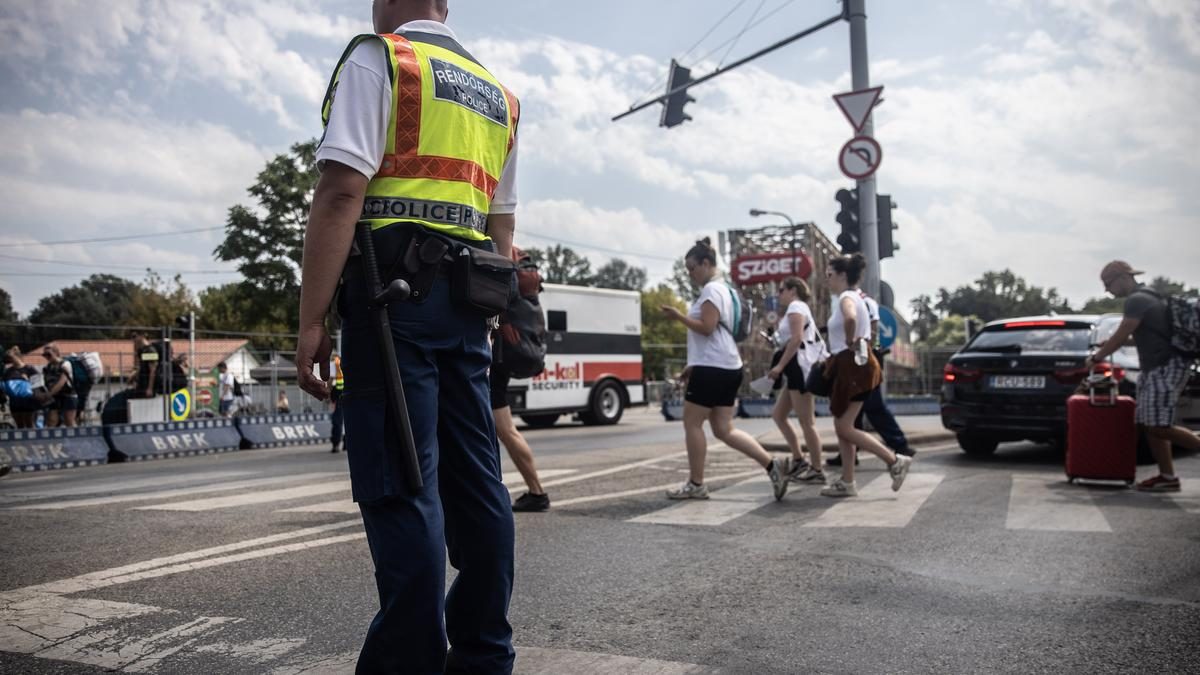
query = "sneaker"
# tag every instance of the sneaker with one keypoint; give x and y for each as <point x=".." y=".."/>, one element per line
<point x="836" y="460"/>
<point x="840" y="488"/>
<point x="530" y="503"/>
<point x="779" y="476"/>
<point x="688" y="490"/>
<point x="798" y="467"/>
<point x="899" y="471"/>
<point x="810" y="475"/>
<point x="1159" y="484"/>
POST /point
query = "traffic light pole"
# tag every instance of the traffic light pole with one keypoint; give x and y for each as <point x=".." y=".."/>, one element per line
<point x="868" y="215"/>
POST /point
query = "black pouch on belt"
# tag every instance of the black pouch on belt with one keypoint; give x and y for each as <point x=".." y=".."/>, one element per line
<point x="482" y="280"/>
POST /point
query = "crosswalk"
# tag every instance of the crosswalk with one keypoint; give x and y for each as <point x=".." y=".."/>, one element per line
<point x="1035" y="501"/>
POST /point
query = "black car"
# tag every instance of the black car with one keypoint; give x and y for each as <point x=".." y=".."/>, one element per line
<point x="1012" y="380"/>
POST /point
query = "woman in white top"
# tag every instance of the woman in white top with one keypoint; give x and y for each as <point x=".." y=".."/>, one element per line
<point x="713" y="376"/>
<point x="800" y="348"/>
<point x="852" y="381"/>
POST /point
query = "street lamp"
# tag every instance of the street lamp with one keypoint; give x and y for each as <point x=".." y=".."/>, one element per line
<point x="754" y="213"/>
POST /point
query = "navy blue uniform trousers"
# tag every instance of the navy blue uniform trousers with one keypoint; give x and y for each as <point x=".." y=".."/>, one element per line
<point x="444" y="355"/>
<point x="883" y="421"/>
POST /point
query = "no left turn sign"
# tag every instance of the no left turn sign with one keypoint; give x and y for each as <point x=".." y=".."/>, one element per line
<point x="860" y="157"/>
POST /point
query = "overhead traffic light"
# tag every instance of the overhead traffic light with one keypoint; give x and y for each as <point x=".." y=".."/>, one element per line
<point x="884" y="206"/>
<point x="672" y="114"/>
<point x="851" y="237"/>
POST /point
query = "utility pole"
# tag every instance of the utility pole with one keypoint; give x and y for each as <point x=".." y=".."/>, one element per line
<point x="868" y="215"/>
<point x="192" y="356"/>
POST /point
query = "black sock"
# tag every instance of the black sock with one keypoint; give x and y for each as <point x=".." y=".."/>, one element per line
<point x="694" y="483"/>
<point x="770" y="465"/>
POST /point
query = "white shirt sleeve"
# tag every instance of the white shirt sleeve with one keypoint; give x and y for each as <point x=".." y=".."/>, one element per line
<point x="358" y="118"/>
<point x="505" y="200"/>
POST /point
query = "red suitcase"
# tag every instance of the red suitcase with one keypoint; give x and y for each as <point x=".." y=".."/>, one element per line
<point x="1101" y="437"/>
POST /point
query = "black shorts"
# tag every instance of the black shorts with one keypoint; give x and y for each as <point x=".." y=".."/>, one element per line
<point x="498" y="377"/>
<point x="713" y="387"/>
<point x="792" y="373"/>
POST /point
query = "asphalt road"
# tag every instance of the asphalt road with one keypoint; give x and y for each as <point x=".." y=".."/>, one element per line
<point x="254" y="562"/>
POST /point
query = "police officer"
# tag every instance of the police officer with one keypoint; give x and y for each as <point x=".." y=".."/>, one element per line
<point x="420" y="144"/>
<point x="335" y="397"/>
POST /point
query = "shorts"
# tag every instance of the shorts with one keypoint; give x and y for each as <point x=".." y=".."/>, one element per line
<point x="792" y="373"/>
<point x="713" y="387"/>
<point x="64" y="403"/>
<point x="498" y="377"/>
<point x="225" y="406"/>
<point x="28" y="404"/>
<point x="1158" y="392"/>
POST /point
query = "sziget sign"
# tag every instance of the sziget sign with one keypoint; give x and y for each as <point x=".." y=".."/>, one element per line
<point x="755" y="269"/>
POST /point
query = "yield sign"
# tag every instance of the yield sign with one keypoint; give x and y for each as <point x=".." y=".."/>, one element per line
<point x="857" y="105"/>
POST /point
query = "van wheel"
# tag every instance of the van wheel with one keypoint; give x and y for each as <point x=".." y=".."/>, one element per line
<point x="977" y="446"/>
<point x="608" y="404"/>
<point x="540" y="421"/>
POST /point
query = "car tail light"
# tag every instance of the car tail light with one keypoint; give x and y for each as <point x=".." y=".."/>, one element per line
<point x="1077" y="375"/>
<point x="956" y="373"/>
<point x="1035" y="324"/>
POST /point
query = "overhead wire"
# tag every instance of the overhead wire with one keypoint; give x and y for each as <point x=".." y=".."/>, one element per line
<point x="663" y="80"/>
<point x="127" y="237"/>
<point x="745" y="28"/>
<point x="89" y="265"/>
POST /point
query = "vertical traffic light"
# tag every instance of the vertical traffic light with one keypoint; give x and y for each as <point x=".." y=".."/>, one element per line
<point x="672" y="114"/>
<point x="884" y="206"/>
<point x="851" y="237"/>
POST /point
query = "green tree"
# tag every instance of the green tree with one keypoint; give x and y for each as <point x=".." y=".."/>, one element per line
<point x="949" y="332"/>
<point x="1162" y="285"/>
<point x="998" y="295"/>
<point x="617" y="273"/>
<point x="267" y="242"/>
<point x="6" y="308"/>
<point x="925" y="318"/>
<point x="663" y="340"/>
<point x="99" y="300"/>
<point x="157" y="302"/>
<point x="562" y="265"/>
<point x="681" y="283"/>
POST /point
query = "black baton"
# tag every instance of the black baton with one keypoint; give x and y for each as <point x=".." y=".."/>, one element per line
<point x="397" y="410"/>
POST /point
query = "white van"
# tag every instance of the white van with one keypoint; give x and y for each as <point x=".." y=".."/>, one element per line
<point x="593" y="359"/>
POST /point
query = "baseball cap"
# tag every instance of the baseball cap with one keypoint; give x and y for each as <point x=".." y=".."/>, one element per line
<point x="1115" y="269"/>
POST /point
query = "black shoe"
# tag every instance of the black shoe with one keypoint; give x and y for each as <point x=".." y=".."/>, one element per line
<point x="335" y="448"/>
<point x="5" y="469"/>
<point x="529" y="502"/>
<point x="836" y="460"/>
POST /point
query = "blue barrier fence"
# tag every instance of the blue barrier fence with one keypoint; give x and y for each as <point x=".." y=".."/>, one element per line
<point x="272" y="431"/>
<point x="41" y="449"/>
<point x="136" y="442"/>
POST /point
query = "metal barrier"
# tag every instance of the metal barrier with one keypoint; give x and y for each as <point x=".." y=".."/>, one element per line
<point x="62" y="448"/>
<point x="136" y="442"/>
<point x="272" y="431"/>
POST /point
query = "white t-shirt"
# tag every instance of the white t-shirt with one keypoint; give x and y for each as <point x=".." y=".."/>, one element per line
<point x="837" y="322"/>
<point x="227" y="386"/>
<point x="810" y="349"/>
<point x="358" y="119"/>
<point x="717" y="350"/>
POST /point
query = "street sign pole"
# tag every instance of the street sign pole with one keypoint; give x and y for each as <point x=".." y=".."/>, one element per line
<point x="868" y="216"/>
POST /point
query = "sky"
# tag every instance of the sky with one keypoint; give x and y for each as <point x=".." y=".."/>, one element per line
<point x="1042" y="136"/>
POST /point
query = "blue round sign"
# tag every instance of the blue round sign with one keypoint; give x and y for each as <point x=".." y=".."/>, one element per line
<point x="181" y="405"/>
<point x="888" y="327"/>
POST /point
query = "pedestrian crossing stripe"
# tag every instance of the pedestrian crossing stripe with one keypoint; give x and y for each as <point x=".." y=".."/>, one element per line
<point x="878" y="506"/>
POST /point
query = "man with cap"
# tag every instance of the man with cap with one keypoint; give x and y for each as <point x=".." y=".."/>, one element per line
<point x="1164" y="371"/>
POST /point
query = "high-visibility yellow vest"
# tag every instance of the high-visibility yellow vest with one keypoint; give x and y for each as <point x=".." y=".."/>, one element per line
<point x="451" y="130"/>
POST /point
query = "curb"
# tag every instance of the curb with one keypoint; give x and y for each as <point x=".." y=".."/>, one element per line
<point x="913" y="439"/>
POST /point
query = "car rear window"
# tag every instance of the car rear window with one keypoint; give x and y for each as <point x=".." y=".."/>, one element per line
<point x="1058" y="339"/>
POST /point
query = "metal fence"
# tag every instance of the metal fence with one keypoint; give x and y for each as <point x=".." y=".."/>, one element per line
<point x="262" y="363"/>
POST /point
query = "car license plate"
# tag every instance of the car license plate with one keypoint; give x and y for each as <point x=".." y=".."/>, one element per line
<point x="1018" y="382"/>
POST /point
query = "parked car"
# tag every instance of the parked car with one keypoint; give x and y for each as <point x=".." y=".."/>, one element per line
<point x="1126" y="360"/>
<point x="1012" y="379"/>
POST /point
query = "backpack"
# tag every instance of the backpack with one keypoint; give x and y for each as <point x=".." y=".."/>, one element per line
<point x="1183" y="316"/>
<point x="741" y="324"/>
<point x="18" y="388"/>
<point x="522" y="347"/>
<point x="80" y="376"/>
<point x="92" y="363"/>
<point x="529" y="277"/>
